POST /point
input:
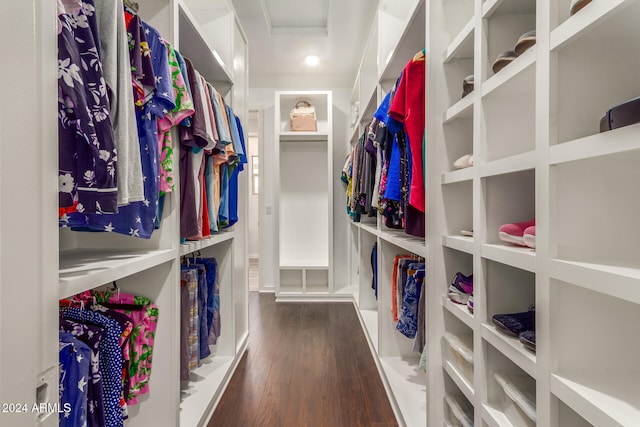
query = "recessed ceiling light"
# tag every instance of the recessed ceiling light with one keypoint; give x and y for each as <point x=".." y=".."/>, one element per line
<point x="312" y="60"/>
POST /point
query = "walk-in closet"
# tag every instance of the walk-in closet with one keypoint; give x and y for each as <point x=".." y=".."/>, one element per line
<point x="238" y="212"/>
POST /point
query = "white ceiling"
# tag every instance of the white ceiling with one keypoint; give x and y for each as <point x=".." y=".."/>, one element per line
<point x="282" y="32"/>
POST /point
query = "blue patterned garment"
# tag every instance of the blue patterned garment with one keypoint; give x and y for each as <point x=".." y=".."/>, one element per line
<point x="203" y="331"/>
<point x="74" y="358"/>
<point x="110" y="360"/>
<point x="212" y="294"/>
<point x="91" y="335"/>
<point x="233" y="180"/>
<point x="138" y="219"/>
<point x="408" y="319"/>
<point x="87" y="178"/>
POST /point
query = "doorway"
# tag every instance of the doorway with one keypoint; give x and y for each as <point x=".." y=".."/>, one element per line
<point x="253" y="158"/>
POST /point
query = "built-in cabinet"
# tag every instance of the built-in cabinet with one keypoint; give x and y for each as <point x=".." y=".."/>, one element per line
<point x="304" y="163"/>
<point x="533" y="128"/>
<point x="41" y="264"/>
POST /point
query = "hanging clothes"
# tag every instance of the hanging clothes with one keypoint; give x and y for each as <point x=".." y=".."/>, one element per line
<point x="87" y="174"/>
<point x="116" y="66"/>
<point x="144" y="315"/>
<point x="408" y="319"/>
<point x="408" y="107"/>
<point x="183" y="109"/>
<point x="91" y="335"/>
<point x="189" y="321"/>
<point x="110" y="360"/>
<point x="74" y="361"/>
<point x="137" y="219"/>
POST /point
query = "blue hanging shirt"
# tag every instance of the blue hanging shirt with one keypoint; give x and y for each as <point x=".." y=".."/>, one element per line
<point x="75" y="359"/>
<point x="137" y="219"/>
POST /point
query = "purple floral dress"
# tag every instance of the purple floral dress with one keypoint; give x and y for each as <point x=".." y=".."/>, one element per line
<point x="87" y="179"/>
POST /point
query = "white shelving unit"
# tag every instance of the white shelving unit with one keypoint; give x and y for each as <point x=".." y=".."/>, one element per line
<point x="397" y="34"/>
<point x="533" y="128"/>
<point x="46" y="264"/>
<point x="305" y="194"/>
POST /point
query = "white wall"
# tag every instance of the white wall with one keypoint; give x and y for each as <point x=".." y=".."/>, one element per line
<point x="254" y="240"/>
<point x="263" y="98"/>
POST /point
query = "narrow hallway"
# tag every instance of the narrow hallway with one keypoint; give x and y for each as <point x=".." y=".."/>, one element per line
<point x="307" y="364"/>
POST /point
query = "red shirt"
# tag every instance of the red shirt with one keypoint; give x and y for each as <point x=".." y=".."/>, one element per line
<point x="409" y="107"/>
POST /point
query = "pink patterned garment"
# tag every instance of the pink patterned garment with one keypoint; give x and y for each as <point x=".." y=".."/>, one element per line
<point x="184" y="108"/>
<point x="145" y="322"/>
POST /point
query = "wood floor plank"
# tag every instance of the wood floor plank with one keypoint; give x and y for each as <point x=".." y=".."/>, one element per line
<point x="307" y="365"/>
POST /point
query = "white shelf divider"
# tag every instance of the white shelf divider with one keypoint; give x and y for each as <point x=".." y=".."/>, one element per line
<point x="617" y="141"/>
<point x="371" y="229"/>
<point x="401" y="239"/>
<point x="458" y="310"/>
<point x="460" y="175"/>
<point x="580" y="23"/>
<point x="462" y="109"/>
<point x="517" y="163"/>
<point x="82" y="269"/>
<point x="619" y="281"/>
<point x="210" y="64"/>
<point x="409" y="386"/>
<point x="511" y="347"/>
<point x="198" y="398"/>
<point x="491" y="7"/>
<point x="303" y="136"/>
<point x="369" y="320"/>
<point x="463" y="385"/>
<point x="587" y="394"/>
<point x="523" y="258"/>
<point x="495" y="417"/>
<point x="462" y="44"/>
<point x="459" y="243"/>
<point x="511" y="71"/>
<point x="192" y="246"/>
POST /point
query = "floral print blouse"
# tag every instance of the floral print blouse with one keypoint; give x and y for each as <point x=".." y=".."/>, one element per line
<point x="87" y="179"/>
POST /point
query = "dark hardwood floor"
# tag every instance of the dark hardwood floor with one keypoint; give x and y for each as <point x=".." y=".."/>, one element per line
<point x="307" y="365"/>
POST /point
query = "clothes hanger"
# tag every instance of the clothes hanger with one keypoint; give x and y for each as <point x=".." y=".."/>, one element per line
<point x="117" y="305"/>
<point x="131" y="7"/>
